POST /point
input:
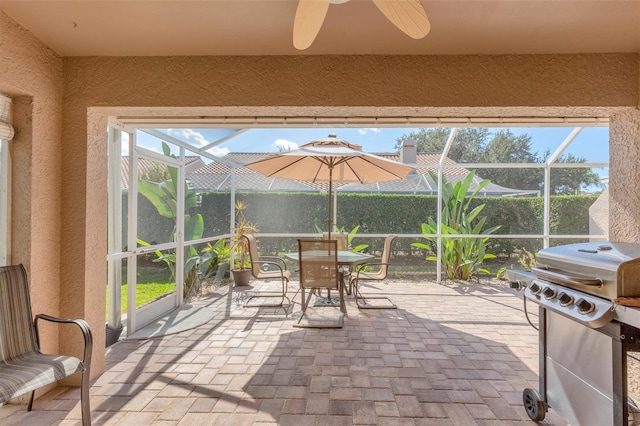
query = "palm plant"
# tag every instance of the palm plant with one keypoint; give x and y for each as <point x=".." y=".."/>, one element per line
<point x="462" y="257"/>
<point x="243" y="227"/>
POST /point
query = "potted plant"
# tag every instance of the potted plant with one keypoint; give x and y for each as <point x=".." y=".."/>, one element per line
<point x="241" y="274"/>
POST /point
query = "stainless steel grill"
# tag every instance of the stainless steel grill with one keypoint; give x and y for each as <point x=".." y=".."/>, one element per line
<point x="585" y="333"/>
<point x="607" y="270"/>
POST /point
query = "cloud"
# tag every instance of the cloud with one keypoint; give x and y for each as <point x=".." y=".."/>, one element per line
<point x="189" y="135"/>
<point x="198" y="140"/>
<point x="218" y="152"/>
<point x="285" y="145"/>
<point x="369" y="130"/>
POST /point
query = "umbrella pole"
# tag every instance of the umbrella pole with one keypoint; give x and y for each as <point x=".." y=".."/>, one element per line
<point x="330" y="201"/>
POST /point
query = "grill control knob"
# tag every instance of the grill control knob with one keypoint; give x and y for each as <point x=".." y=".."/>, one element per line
<point x="584" y="306"/>
<point x="535" y="288"/>
<point x="565" y="299"/>
<point x="549" y="293"/>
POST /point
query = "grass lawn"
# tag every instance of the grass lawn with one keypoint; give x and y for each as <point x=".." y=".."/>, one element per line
<point x="151" y="286"/>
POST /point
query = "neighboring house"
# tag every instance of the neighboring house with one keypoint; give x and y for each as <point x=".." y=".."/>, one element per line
<point x="217" y="177"/>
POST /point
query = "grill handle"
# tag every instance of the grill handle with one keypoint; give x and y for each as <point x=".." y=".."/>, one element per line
<point x="564" y="279"/>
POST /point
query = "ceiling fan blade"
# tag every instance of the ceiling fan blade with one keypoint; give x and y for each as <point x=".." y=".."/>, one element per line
<point x="309" y="18"/>
<point x="408" y="15"/>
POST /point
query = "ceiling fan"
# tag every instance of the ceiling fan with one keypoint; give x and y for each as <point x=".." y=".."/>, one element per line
<point x="408" y="15"/>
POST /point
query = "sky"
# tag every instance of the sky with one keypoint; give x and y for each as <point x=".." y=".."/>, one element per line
<point x="592" y="143"/>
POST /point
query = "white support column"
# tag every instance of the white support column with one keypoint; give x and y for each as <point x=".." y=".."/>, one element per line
<point x="6" y="134"/>
<point x="547" y="183"/>
<point x="114" y="268"/>
<point x="547" y="206"/>
<point x="132" y="232"/>
<point x="232" y="221"/>
<point x="179" y="237"/>
<point x="445" y="153"/>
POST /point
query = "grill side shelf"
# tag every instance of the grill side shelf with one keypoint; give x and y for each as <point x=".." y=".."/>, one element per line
<point x="627" y="315"/>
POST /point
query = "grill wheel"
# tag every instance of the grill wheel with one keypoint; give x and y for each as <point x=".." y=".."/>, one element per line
<point x="533" y="404"/>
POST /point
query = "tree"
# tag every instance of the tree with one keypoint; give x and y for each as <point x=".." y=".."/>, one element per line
<point x="505" y="147"/>
<point x="478" y="145"/>
<point x="468" y="146"/>
<point x="571" y="180"/>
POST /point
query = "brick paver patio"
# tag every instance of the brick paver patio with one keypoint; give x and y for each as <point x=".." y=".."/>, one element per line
<point x="451" y="354"/>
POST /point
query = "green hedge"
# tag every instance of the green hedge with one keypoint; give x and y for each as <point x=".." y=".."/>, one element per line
<point x="379" y="214"/>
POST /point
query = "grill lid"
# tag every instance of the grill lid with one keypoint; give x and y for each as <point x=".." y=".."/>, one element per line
<point x="607" y="269"/>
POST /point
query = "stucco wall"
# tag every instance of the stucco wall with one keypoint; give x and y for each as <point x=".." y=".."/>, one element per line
<point x="379" y="81"/>
<point x="31" y="74"/>
<point x="624" y="176"/>
<point x="94" y="88"/>
<point x="546" y="85"/>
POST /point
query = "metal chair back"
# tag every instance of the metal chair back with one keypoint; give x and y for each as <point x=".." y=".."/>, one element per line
<point x="254" y="255"/>
<point x="319" y="264"/>
<point x="382" y="272"/>
<point x="274" y="268"/>
<point x="362" y="273"/>
<point x="318" y="261"/>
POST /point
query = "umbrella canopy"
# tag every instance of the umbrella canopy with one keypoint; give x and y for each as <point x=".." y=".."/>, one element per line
<point x="330" y="160"/>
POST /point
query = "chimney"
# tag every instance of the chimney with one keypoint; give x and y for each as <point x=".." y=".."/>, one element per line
<point x="408" y="152"/>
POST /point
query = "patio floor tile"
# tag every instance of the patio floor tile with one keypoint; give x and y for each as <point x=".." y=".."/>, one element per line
<point x="451" y="354"/>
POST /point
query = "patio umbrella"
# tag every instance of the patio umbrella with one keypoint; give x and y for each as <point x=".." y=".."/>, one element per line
<point x="330" y="160"/>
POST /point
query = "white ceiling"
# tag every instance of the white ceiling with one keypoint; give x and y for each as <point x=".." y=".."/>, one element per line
<point x="264" y="27"/>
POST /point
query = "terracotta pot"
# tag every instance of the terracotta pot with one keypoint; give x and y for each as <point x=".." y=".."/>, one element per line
<point x="241" y="277"/>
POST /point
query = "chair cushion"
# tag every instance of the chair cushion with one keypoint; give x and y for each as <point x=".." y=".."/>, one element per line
<point x="32" y="371"/>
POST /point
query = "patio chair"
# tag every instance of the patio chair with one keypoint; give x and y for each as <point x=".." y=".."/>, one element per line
<point x="266" y="268"/>
<point x="342" y="239"/>
<point x="318" y="260"/>
<point x="363" y="272"/>
<point x="23" y="367"/>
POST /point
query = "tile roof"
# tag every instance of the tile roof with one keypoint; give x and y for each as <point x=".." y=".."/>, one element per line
<point x="216" y="176"/>
<point x="146" y="165"/>
<point x="417" y="182"/>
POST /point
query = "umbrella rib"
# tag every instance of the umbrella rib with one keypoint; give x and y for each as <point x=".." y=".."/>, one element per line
<point x="386" y="170"/>
<point x="355" y="173"/>
<point x="322" y="161"/>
